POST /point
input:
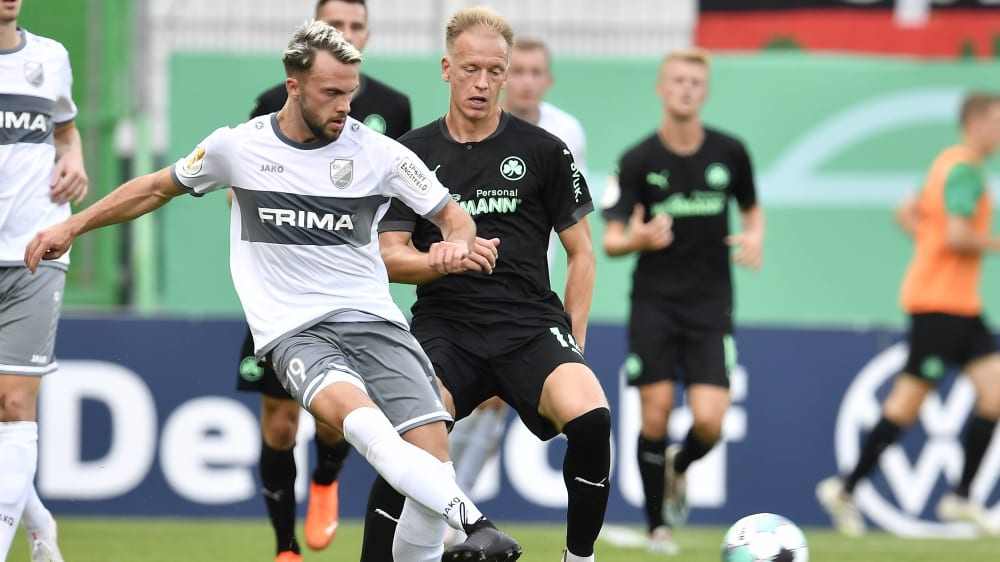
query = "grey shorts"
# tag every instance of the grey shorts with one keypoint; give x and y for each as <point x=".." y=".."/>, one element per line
<point x="29" y="314"/>
<point x="382" y="359"/>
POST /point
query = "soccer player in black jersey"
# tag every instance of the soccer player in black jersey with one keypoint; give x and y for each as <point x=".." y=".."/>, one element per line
<point x="498" y="328"/>
<point x="671" y="207"/>
<point x="387" y="111"/>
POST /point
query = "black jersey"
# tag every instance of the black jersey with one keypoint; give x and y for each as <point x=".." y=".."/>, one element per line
<point x="695" y="190"/>
<point x="518" y="184"/>
<point x="377" y="105"/>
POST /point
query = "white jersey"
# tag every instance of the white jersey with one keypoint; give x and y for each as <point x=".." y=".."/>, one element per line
<point x="303" y="231"/>
<point x="568" y="129"/>
<point x="35" y="97"/>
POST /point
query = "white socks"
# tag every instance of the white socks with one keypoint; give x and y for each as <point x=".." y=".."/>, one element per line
<point x="19" y="454"/>
<point x="413" y="472"/>
<point x="570" y="557"/>
<point x="474" y="440"/>
<point x="419" y="534"/>
<point x="37" y="520"/>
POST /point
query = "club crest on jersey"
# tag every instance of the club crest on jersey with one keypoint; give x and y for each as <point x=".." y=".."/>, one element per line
<point x="512" y="168"/>
<point x="342" y="172"/>
<point x="34" y="73"/>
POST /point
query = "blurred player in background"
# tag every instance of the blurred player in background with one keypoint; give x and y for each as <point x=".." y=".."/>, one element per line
<point x="314" y="288"/>
<point x="476" y="439"/>
<point x="41" y="172"/>
<point x="949" y="220"/>
<point x="387" y="111"/>
<point x="671" y="206"/>
<point x="505" y="332"/>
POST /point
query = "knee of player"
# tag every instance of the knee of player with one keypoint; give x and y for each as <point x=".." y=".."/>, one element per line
<point x="593" y="426"/>
<point x="707" y="430"/>
<point x="17" y="406"/>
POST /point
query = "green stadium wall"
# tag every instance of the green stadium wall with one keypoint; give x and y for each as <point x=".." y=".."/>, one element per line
<point x="836" y="142"/>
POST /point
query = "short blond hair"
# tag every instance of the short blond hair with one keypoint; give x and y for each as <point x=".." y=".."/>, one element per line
<point x="695" y="55"/>
<point x="479" y="16"/>
<point x="312" y="36"/>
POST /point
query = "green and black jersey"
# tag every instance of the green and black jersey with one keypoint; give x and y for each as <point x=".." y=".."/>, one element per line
<point x="695" y="190"/>
<point x="519" y="184"/>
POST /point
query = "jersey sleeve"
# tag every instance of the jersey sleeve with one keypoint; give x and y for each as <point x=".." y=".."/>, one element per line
<point x="399" y="218"/>
<point x="64" y="110"/>
<point x="743" y="189"/>
<point x="207" y="168"/>
<point x="622" y="195"/>
<point x="962" y="189"/>
<point x="566" y="194"/>
<point x="410" y="181"/>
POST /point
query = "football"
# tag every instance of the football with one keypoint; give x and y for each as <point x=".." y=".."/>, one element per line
<point x="764" y="537"/>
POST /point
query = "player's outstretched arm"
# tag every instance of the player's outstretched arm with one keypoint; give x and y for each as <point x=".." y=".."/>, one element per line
<point x="132" y="199"/>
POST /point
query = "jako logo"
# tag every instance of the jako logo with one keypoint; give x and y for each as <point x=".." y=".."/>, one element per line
<point x="906" y="505"/>
<point x="305" y="219"/>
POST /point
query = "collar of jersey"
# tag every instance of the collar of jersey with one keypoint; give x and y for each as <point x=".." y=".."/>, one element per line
<point x="292" y="143"/>
<point x="504" y="119"/>
<point x="24" y="43"/>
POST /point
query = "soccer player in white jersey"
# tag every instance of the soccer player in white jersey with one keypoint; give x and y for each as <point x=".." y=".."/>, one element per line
<point x="41" y="171"/>
<point x="476" y="439"/>
<point x="310" y="185"/>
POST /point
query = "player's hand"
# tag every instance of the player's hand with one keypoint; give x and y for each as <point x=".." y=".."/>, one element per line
<point x="48" y="244"/>
<point x="483" y="257"/>
<point x="749" y="246"/>
<point x="653" y="235"/>
<point x="447" y="257"/>
<point x="69" y="180"/>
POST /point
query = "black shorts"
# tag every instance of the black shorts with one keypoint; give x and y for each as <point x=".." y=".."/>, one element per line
<point x="258" y="376"/>
<point x="474" y="366"/>
<point x="941" y="340"/>
<point x="668" y="340"/>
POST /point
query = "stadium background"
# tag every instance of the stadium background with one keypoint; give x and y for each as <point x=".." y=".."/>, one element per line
<point x="842" y="105"/>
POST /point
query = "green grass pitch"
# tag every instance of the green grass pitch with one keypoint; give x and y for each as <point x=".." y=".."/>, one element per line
<point x="91" y="539"/>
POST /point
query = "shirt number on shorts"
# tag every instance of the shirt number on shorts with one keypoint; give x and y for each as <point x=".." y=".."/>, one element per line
<point x="565" y="340"/>
<point x="296" y="373"/>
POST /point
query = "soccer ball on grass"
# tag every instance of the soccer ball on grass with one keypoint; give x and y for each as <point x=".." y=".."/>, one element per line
<point x="764" y="537"/>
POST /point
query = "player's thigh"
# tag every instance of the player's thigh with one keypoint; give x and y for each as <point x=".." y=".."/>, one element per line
<point x="464" y="374"/>
<point x="396" y="371"/>
<point x="431" y="437"/>
<point x="984" y="372"/>
<point x="708" y="358"/>
<point x="29" y="315"/>
<point x="570" y="391"/>
<point x="523" y="373"/>
<point x="652" y="345"/>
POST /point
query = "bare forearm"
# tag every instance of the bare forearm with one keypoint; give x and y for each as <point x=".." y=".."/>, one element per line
<point x="406" y="264"/>
<point x="753" y="221"/>
<point x="67" y="142"/>
<point x="132" y="199"/>
<point x="579" y="292"/>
